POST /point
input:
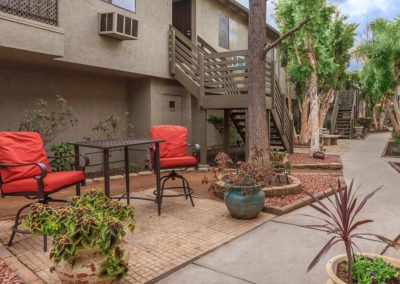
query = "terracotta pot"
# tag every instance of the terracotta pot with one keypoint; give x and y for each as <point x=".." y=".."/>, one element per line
<point x="332" y="265"/>
<point x="84" y="268"/>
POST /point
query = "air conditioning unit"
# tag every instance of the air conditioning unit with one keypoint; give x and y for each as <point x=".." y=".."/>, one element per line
<point x="118" y="26"/>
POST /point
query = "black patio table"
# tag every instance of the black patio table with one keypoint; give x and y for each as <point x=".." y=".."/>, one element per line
<point x="106" y="145"/>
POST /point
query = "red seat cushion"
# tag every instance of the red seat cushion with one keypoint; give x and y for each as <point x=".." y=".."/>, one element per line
<point x="52" y="182"/>
<point x="175" y="140"/>
<point x="187" y="161"/>
<point x="21" y="148"/>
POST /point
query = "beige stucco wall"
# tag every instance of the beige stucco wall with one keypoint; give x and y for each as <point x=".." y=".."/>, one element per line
<point x="147" y="55"/>
<point x="77" y="40"/>
<point x="93" y="97"/>
<point x="20" y="33"/>
<point x="207" y="23"/>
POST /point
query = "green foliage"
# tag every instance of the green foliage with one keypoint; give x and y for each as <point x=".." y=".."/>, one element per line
<point x="63" y="157"/>
<point x="381" y="54"/>
<point x="89" y="221"/>
<point x="366" y="122"/>
<point x="367" y="271"/>
<point x="327" y="36"/>
<point x="396" y="137"/>
<point x="49" y="121"/>
<point x="218" y="123"/>
<point x="280" y="159"/>
<point x="110" y="127"/>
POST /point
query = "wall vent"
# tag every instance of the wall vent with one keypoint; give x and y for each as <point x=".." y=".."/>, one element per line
<point x="118" y="26"/>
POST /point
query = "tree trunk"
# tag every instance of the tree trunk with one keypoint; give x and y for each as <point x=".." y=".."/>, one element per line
<point x="326" y="102"/>
<point x="396" y="109"/>
<point x="314" y="106"/>
<point x="304" y="128"/>
<point x="362" y="108"/>
<point x="375" y="118"/>
<point x="258" y="125"/>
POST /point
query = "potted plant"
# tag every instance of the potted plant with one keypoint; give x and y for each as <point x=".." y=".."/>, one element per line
<point x="87" y="236"/>
<point x="359" y="130"/>
<point x="281" y="164"/>
<point x="341" y="223"/>
<point x="243" y="197"/>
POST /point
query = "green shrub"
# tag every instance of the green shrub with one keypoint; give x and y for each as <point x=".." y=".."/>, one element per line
<point x="396" y="137"/>
<point x="218" y="123"/>
<point x="365" y="122"/>
<point x="367" y="271"/>
<point x="63" y="158"/>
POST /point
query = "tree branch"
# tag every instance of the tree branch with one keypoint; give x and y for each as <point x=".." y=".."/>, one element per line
<point x="270" y="46"/>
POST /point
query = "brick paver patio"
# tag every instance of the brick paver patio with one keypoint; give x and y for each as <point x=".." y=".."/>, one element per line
<point x="160" y="244"/>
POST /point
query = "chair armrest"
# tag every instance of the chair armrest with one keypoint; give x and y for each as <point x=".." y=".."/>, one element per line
<point x="86" y="159"/>
<point x="42" y="167"/>
<point x="195" y="149"/>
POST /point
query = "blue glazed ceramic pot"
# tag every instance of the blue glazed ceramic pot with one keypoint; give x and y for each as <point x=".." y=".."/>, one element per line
<point x="244" y="206"/>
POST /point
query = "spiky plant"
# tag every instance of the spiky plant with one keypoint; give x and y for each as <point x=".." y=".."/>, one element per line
<point x="341" y="222"/>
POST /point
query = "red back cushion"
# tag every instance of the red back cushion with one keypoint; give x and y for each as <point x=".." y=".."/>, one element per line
<point x="175" y="140"/>
<point x="21" y="148"/>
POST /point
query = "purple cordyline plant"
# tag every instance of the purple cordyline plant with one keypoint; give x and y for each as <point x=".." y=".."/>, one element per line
<point x="340" y="221"/>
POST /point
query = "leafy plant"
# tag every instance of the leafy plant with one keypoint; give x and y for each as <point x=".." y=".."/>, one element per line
<point x="63" y="157"/>
<point x="340" y="221"/>
<point x="367" y="271"/>
<point x="365" y="122"/>
<point x="218" y="123"/>
<point x="109" y="127"/>
<point x="396" y="137"/>
<point x="89" y="221"/>
<point x="280" y="160"/>
<point x="256" y="172"/>
<point x="49" y="122"/>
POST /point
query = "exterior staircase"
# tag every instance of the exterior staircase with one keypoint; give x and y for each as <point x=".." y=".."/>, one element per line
<point x="343" y="116"/>
<point x="219" y="80"/>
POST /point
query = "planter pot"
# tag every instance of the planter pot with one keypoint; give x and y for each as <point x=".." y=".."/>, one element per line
<point x="359" y="130"/>
<point x="244" y="206"/>
<point x="332" y="265"/>
<point x="319" y="155"/>
<point x="84" y="268"/>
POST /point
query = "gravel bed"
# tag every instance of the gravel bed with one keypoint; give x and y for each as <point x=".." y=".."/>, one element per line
<point x="7" y="276"/>
<point x="306" y="159"/>
<point x="312" y="183"/>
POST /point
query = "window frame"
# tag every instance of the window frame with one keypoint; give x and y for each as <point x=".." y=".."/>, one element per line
<point x="112" y="4"/>
<point x="232" y="29"/>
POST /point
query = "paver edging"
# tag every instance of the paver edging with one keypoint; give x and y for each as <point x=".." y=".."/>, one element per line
<point x="325" y="166"/>
<point x="299" y="203"/>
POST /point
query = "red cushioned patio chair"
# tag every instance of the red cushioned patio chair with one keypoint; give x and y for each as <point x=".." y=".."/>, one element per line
<point x="173" y="155"/>
<point x="25" y="171"/>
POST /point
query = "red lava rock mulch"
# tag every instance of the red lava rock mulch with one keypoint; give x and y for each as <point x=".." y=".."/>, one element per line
<point x="301" y="158"/>
<point x="312" y="183"/>
<point x="7" y="276"/>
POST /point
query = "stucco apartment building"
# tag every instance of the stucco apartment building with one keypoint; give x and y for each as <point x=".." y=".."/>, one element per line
<point x="115" y="56"/>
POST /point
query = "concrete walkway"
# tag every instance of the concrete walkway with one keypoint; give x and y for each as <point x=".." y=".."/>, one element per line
<point x="279" y="253"/>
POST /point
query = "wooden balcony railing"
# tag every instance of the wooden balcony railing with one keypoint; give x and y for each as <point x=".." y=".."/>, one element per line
<point x="44" y="11"/>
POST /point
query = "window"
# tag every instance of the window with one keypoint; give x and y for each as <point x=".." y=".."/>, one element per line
<point x="228" y="33"/>
<point x="129" y="5"/>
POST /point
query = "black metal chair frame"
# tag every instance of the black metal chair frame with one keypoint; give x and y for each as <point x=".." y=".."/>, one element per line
<point x="173" y="175"/>
<point x="41" y="196"/>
